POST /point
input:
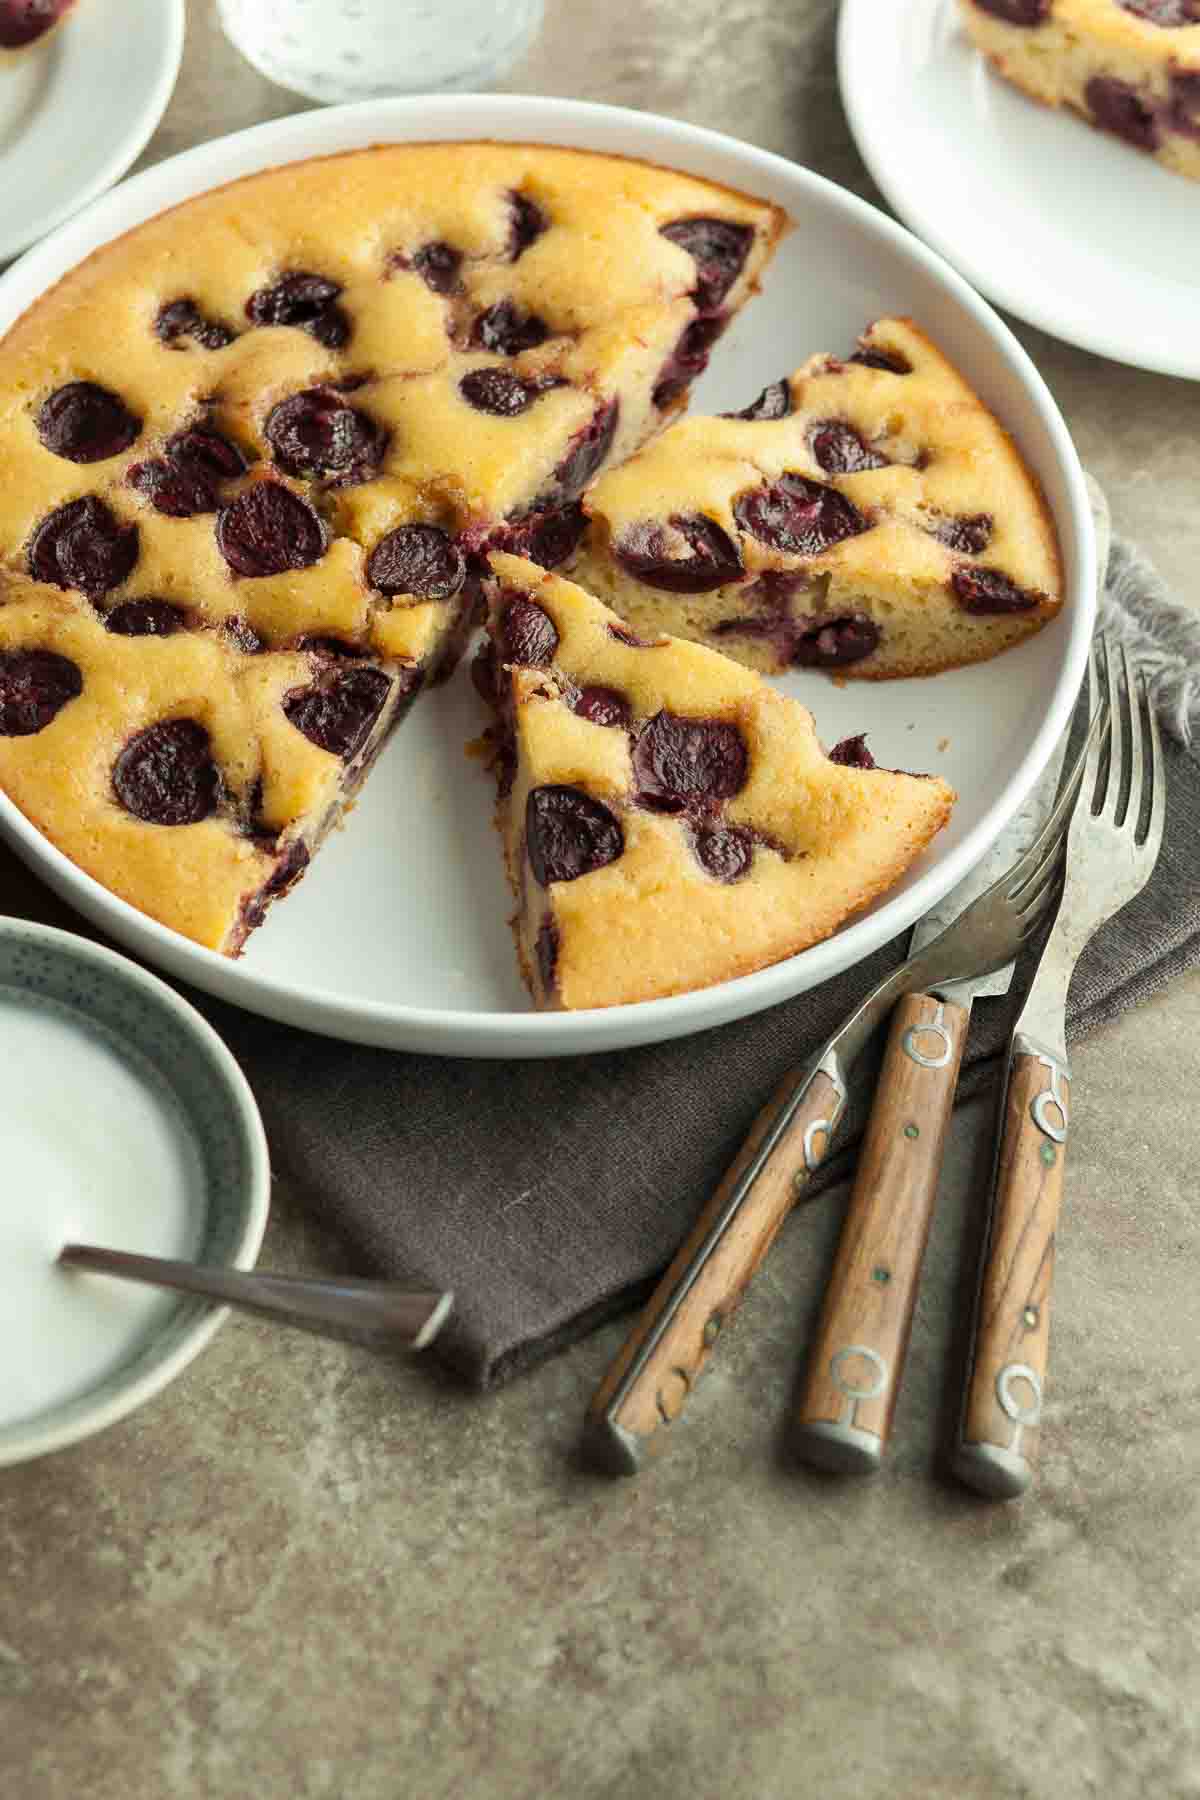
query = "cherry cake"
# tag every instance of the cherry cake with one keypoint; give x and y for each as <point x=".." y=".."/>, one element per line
<point x="669" y="819"/>
<point x="867" y="516"/>
<point x="256" y="451"/>
<point x="1131" y="67"/>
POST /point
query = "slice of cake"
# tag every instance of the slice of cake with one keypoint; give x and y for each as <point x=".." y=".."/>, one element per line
<point x="253" y="452"/>
<point x="868" y="516"/>
<point x="190" y="776"/>
<point x="669" y="820"/>
<point x="1131" y="67"/>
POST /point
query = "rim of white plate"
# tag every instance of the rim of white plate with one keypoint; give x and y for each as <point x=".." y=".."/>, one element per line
<point x="618" y="130"/>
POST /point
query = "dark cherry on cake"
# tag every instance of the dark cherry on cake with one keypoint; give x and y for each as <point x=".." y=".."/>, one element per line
<point x="569" y="833"/>
<point x="305" y="300"/>
<point x="315" y="432"/>
<point x="268" y="529"/>
<point x="85" y="423"/>
<point x="83" y="545"/>
<point x="35" y="685"/>
<point x="22" y="22"/>
<point x="421" y="560"/>
<point x="712" y="558"/>
<point x="338" y="712"/>
<point x="166" y="775"/>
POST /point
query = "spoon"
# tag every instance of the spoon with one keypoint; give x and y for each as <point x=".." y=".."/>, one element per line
<point x="384" y="1308"/>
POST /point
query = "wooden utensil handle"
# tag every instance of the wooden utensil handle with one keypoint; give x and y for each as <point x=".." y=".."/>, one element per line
<point x="857" y="1361"/>
<point x="996" y="1451"/>
<point x="648" y="1384"/>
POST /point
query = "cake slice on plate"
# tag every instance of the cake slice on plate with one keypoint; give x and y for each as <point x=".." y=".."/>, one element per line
<point x="1131" y="67"/>
<point x="866" y="515"/>
<point x="669" y="819"/>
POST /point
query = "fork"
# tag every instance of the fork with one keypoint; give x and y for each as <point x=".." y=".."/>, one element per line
<point x="1113" y="842"/>
<point x="856" y="1362"/>
<point x="648" y="1384"/>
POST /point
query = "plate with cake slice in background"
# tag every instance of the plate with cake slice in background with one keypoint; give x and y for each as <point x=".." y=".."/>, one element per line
<point x="768" y="514"/>
<point x="83" y="83"/>
<point x="1050" y="150"/>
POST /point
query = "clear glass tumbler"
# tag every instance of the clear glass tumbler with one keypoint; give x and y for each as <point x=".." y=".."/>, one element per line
<point x="335" y="50"/>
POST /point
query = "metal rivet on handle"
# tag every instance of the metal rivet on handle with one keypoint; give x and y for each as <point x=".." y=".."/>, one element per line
<point x="934" y="1028"/>
<point x="813" y="1156"/>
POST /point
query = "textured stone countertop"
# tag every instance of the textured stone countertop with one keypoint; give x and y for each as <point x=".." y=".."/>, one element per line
<point x="303" y="1575"/>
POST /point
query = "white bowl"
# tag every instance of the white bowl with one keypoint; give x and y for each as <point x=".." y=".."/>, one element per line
<point x="398" y="936"/>
<point x="140" y="1084"/>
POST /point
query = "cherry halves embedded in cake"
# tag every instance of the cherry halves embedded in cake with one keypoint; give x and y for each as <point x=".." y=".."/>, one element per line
<point x="1130" y="67"/>
<point x="669" y="819"/>
<point x="868" y="516"/>
<point x="254" y="450"/>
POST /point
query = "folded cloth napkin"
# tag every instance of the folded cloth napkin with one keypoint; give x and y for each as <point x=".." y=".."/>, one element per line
<point x="549" y="1194"/>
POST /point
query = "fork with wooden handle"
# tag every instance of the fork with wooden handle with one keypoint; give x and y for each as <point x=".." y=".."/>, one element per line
<point x="856" y="1362"/>
<point x="648" y="1384"/>
<point x="856" y="1365"/>
<point x="1115" y="837"/>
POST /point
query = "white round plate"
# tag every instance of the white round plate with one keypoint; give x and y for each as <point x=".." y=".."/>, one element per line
<point x="398" y="934"/>
<point x="1064" y="225"/>
<point x="77" y="109"/>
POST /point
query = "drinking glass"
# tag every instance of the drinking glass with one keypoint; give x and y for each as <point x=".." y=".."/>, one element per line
<point x="360" y="49"/>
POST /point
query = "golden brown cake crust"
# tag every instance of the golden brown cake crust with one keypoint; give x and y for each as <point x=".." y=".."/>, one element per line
<point x="874" y="518"/>
<point x="253" y="449"/>
<point x="688" y="826"/>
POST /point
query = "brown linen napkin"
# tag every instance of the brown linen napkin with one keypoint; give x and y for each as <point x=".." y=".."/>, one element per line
<point x="548" y="1194"/>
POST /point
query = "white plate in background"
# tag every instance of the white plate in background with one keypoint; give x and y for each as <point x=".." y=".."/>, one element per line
<point x="1064" y="225"/>
<point x="78" y="108"/>
<point x="398" y="934"/>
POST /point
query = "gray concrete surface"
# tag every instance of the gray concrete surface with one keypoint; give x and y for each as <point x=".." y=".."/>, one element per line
<point x="304" y="1575"/>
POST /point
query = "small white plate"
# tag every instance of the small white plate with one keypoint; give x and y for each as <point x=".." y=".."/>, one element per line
<point x="77" y="109"/>
<point x="398" y="934"/>
<point x="1062" y="224"/>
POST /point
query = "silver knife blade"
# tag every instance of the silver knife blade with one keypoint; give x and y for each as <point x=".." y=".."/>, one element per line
<point x="1013" y="841"/>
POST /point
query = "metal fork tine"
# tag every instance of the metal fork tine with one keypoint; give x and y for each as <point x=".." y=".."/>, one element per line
<point x="1046" y="901"/>
<point x="1158" y="786"/>
<point x="1049" y="873"/>
<point x="1030" y="865"/>
<point x="1098" y="694"/>
<point x="1118" y="741"/>
<point x="1133" y="810"/>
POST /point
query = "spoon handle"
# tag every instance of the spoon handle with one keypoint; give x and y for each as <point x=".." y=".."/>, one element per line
<point x="382" y="1307"/>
